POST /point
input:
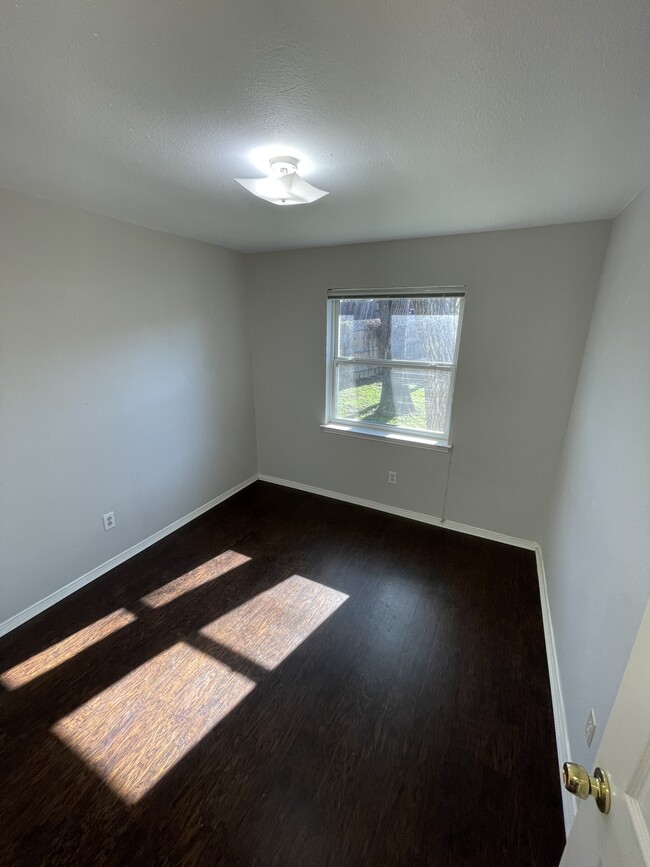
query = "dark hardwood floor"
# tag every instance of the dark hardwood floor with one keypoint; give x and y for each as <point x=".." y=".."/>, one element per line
<point x="288" y="680"/>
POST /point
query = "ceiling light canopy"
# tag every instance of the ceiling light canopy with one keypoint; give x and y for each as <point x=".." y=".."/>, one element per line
<point x="284" y="186"/>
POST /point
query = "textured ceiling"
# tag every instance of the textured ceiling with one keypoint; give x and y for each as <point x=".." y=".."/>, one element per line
<point x="421" y="117"/>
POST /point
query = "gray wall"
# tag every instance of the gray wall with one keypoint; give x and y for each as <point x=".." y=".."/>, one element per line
<point x="125" y="385"/>
<point x="527" y="312"/>
<point x="596" y="547"/>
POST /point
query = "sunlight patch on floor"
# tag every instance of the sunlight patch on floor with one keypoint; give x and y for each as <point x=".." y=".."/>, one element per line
<point x="59" y="653"/>
<point x="267" y="628"/>
<point x="134" y="732"/>
<point x="207" y="571"/>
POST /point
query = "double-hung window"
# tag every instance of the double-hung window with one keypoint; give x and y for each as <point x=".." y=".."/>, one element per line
<point x="392" y="356"/>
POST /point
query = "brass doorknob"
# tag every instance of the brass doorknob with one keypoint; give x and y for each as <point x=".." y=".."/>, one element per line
<point x="576" y="780"/>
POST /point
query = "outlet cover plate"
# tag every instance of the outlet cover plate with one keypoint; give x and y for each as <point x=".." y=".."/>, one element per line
<point x="590" y="727"/>
<point x="109" y="520"/>
<point x="392" y="477"/>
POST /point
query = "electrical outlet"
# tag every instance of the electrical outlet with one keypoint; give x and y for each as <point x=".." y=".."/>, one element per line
<point x="109" y="520"/>
<point x="590" y="727"/>
<point x="392" y="477"/>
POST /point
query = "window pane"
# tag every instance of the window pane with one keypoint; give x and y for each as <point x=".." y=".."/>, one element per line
<point x="405" y="329"/>
<point x="403" y="397"/>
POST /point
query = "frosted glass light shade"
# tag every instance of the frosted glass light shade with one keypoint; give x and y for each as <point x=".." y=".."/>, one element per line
<point x="289" y="189"/>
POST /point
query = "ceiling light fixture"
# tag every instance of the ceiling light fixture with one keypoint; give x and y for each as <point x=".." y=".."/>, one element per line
<point x="284" y="186"/>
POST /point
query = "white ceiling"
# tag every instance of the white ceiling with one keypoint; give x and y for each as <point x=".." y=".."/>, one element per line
<point x="421" y="117"/>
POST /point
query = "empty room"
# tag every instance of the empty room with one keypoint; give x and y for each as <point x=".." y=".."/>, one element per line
<point x="325" y="433"/>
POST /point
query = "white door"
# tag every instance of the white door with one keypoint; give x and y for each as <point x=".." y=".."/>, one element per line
<point x="621" y="838"/>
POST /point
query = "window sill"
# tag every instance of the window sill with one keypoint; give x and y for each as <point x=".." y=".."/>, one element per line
<point x="387" y="436"/>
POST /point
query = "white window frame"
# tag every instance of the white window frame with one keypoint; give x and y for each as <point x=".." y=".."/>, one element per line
<point x="393" y="433"/>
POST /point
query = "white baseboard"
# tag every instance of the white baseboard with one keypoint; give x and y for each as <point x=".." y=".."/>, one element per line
<point x="60" y="594"/>
<point x="406" y="513"/>
<point x="559" y="715"/>
<point x="569" y="804"/>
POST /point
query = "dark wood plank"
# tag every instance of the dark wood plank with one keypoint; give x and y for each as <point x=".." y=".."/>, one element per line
<point x="287" y="680"/>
